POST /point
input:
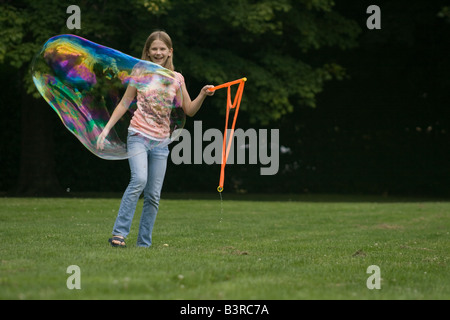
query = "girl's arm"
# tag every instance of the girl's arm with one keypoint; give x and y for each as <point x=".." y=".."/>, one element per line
<point x="191" y="107"/>
<point x="119" y="111"/>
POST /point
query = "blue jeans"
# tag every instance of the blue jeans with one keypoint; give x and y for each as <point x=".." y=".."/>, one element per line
<point x="148" y="168"/>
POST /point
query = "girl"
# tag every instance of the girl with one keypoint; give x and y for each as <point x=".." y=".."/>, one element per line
<point x="149" y="166"/>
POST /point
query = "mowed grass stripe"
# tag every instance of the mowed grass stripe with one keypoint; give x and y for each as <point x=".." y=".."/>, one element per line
<point x="311" y="248"/>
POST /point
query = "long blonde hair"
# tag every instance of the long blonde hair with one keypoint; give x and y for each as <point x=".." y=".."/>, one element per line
<point x="164" y="37"/>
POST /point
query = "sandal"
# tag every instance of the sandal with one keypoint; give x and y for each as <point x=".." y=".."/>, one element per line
<point x="117" y="241"/>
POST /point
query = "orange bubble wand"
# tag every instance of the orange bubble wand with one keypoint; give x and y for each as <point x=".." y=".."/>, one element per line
<point x="235" y="105"/>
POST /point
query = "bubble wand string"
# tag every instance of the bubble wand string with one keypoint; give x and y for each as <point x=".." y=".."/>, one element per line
<point x="235" y="105"/>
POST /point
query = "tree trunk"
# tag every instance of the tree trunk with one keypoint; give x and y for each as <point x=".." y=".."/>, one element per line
<point x="37" y="175"/>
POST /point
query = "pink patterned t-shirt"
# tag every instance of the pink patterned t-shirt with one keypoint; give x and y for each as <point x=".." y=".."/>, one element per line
<point x="154" y="106"/>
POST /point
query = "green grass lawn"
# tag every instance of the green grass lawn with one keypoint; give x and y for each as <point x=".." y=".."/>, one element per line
<point x="267" y="247"/>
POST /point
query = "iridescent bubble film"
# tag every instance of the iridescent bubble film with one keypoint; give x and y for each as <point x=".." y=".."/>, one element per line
<point x="84" y="82"/>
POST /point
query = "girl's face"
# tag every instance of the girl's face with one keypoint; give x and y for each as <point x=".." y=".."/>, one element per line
<point x="159" y="52"/>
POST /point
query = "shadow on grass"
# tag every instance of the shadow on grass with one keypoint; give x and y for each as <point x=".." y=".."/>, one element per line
<point x="307" y="197"/>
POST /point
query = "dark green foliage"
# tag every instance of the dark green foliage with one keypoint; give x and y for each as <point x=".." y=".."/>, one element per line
<point x="361" y="110"/>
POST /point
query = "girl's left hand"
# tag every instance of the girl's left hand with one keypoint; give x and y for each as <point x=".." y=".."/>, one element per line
<point x="206" y="91"/>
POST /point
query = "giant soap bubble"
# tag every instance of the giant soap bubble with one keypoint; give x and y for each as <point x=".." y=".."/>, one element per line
<point x="84" y="82"/>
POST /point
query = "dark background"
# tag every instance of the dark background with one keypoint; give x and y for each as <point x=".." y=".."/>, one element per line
<point x="382" y="129"/>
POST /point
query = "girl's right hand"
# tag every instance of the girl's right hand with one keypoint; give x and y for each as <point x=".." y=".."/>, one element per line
<point x="101" y="139"/>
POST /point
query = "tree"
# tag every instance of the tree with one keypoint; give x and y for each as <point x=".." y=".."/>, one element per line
<point x="26" y="25"/>
<point x="271" y="42"/>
